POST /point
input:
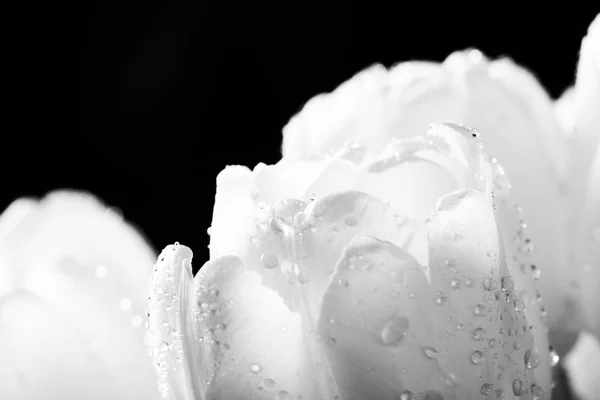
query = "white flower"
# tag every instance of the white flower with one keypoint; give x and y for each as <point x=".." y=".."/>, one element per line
<point x="580" y="112"/>
<point x="72" y="301"/>
<point x="404" y="274"/>
<point x="504" y="102"/>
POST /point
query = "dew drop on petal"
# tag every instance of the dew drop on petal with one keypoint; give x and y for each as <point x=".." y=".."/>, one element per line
<point x="519" y="305"/>
<point x="536" y="272"/>
<point x="268" y="383"/>
<point x="507" y="283"/>
<point x="394" y="331"/>
<point x="479" y="310"/>
<point x="342" y="283"/>
<point x="255" y="368"/>
<point x="433" y="395"/>
<point x="350" y="220"/>
<point x="532" y="359"/>
<point x="269" y="260"/>
<point x="479" y="334"/>
<point x="407" y="395"/>
<point x="489" y="284"/>
<point x="430" y="352"/>
<point x="554" y="357"/>
<point x="441" y="300"/>
<point x="537" y="393"/>
<point x="486" y="389"/>
<point x="518" y="389"/>
<point x="477" y="357"/>
<point x="283" y="395"/>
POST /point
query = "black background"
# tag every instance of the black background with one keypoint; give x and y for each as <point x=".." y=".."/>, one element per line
<point x="143" y="105"/>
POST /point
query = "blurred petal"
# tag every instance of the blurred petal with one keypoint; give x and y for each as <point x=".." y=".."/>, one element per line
<point x="584" y="108"/>
<point x="46" y="357"/>
<point x="81" y="259"/>
<point x="15" y="213"/>
<point x="583" y="366"/>
<point x="588" y="249"/>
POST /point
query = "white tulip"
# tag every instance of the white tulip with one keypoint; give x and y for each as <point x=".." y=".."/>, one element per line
<point x="394" y="276"/>
<point x="504" y="102"/>
<point x="579" y="109"/>
<point x="72" y="302"/>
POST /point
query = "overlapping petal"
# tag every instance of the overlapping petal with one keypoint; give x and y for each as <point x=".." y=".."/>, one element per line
<point x="355" y="289"/>
<point x="501" y="100"/>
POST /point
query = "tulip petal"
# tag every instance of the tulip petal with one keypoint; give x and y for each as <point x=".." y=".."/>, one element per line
<point x="256" y="344"/>
<point x="584" y="111"/>
<point x="235" y="202"/>
<point x="328" y="225"/>
<point x="60" y="363"/>
<point x="453" y="335"/>
<point x="181" y="361"/>
<point x="588" y="247"/>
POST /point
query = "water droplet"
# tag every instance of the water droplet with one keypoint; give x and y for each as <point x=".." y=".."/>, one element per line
<point x="407" y="395"/>
<point x="536" y="273"/>
<point x="507" y="283"/>
<point x="479" y="334"/>
<point x="477" y="357"/>
<point x="221" y="327"/>
<point x="430" y="352"/>
<point x="255" y="368"/>
<point x="489" y="284"/>
<point x="455" y="284"/>
<point x="441" y="300"/>
<point x="518" y="389"/>
<point x="342" y="283"/>
<point x="100" y="271"/>
<point x="486" y="389"/>
<point x="532" y="359"/>
<point x="394" y="331"/>
<point x="537" y="392"/>
<point x="269" y="260"/>
<point x="469" y="283"/>
<point x="519" y="305"/>
<point x="500" y="394"/>
<point x="126" y="304"/>
<point x="433" y="395"/>
<point x="350" y="220"/>
<point x="284" y="395"/>
<point x="554" y="357"/>
<point x="479" y="310"/>
<point x="492" y="342"/>
<point x="268" y="383"/>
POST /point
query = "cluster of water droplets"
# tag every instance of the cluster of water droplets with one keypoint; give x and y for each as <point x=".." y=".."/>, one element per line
<point x="276" y="238"/>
